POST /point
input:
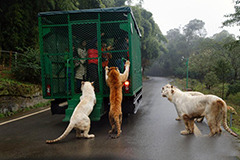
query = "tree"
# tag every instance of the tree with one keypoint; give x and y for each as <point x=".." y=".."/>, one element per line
<point x="152" y="37"/>
<point x="194" y="29"/>
<point x="222" y="69"/>
<point x="193" y="32"/>
<point x="182" y="43"/>
<point x="234" y="18"/>
<point x="210" y="79"/>
<point x="89" y="4"/>
<point x="108" y="3"/>
<point x="222" y="36"/>
<point x="171" y="60"/>
<point x="19" y="23"/>
<point x="29" y="62"/>
<point x="201" y="64"/>
<point x="234" y="57"/>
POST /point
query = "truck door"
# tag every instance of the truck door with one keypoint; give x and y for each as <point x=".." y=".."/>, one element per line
<point x="55" y="53"/>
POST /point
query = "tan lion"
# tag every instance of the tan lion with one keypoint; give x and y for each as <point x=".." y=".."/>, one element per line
<point x="190" y="107"/>
<point x="115" y="80"/>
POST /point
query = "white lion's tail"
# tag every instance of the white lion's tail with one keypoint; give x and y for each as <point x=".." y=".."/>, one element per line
<point x="225" y="126"/>
<point x="66" y="132"/>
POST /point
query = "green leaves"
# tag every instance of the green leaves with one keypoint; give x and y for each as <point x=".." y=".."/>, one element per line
<point x="234" y="18"/>
<point x="28" y="66"/>
<point x="152" y="38"/>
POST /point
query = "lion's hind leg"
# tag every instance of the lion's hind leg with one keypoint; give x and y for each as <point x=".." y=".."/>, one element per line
<point x="189" y="125"/>
<point x="84" y="126"/>
<point x="213" y="125"/>
<point x="117" y="121"/>
<point x="112" y="123"/>
<point x="214" y="119"/>
<point x="79" y="133"/>
<point x="118" y="124"/>
<point x="213" y="129"/>
<point x="218" y="124"/>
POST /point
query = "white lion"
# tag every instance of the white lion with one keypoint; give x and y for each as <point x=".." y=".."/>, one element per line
<point x="79" y="119"/>
<point x="191" y="93"/>
<point x="190" y="107"/>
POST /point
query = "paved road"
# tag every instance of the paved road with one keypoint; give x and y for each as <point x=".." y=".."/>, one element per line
<point x="152" y="134"/>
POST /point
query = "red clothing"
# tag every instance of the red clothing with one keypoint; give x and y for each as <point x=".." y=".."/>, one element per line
<point x="93" y="53"/>
<point x="106" y="57"/>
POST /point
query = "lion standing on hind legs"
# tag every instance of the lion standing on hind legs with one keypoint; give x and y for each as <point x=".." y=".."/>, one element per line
<point x="115" y="80"/>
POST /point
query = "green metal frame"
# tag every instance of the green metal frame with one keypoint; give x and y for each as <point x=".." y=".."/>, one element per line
<point x="52" y="74"/>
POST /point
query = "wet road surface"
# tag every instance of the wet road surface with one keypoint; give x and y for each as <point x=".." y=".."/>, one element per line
<point x="151" y="134"/>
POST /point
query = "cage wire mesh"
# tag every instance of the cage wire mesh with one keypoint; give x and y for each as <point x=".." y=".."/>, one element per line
<point x="77" y="48"/>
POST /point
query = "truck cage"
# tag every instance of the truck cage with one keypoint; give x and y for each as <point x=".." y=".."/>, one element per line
<point x="61" y="34"/>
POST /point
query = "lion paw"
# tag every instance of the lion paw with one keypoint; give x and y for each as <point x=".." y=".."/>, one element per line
<point x="185" y="132"/>
<point x="127" y="63"/>
<point x="111" y="131"/>
<point x="106" y="68"/>
<point x="89" y="136"/>
<point x="80" y="135"/>
<point x="178" y="119"/>
<point x="199" y="120"/>
<point x="115" y="137"/>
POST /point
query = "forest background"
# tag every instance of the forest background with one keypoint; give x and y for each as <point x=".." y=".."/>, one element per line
<point x="213" y="63"/>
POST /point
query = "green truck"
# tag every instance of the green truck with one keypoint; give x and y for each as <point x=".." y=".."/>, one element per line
<point x="76" y="46"/>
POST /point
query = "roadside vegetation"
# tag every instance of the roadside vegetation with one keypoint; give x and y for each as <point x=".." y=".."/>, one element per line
<point x="212" y="64"/>
<point x="10" y="86"/>
<point x="22" y="110"/>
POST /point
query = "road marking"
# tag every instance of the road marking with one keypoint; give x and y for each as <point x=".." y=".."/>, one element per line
<point x="16" y="119"/>
<point x="197" y="132"/>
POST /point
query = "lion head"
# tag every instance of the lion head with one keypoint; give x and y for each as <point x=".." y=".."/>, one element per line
<point x="168" y="91"/>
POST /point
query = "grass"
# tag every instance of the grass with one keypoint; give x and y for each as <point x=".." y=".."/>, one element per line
<point x="11" y="87"/>
<point x="39" y="105"/>
<point x="231" y="100"/>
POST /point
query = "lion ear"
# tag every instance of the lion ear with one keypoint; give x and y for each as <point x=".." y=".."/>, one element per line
<point x="171" y="86"/>
<point x="92" y="83"/>
<point x="83" y="82"/>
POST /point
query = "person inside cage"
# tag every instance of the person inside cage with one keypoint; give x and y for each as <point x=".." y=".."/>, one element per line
<point x="121" y="44"/>
<point x="105" y="55"/>
<point x="92" y="69"/>
<point x="80" y="66"/>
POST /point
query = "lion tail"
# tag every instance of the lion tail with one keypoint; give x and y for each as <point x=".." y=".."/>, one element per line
<point x="66" y="132"/>
<point x="231" y="109"/>
<point x="224" y="109"/>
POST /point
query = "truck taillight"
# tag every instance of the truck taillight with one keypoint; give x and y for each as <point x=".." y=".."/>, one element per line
<point x="126" y="86"/>
<point x="48" y="90"/>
